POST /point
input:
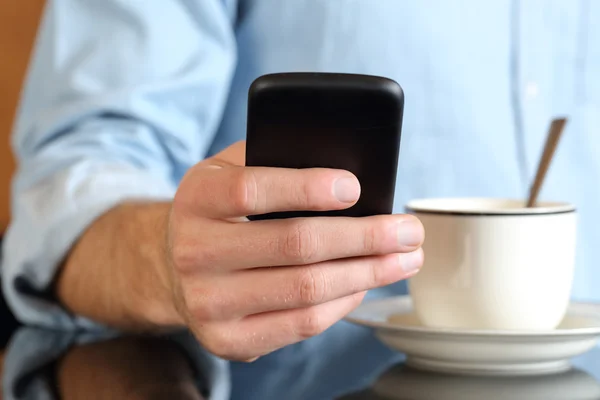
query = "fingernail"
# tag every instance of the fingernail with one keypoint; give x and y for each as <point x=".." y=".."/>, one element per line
<point x="410" y="232"/>
<point x="346" y="190"/>
<point x="411" y="262"/>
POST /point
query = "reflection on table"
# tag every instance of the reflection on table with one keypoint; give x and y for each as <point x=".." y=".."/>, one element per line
<point x="52" y="365"/>
<point x="63" y="366"/>
<point x="131" y="368"/>
<point x="403" y="382"/>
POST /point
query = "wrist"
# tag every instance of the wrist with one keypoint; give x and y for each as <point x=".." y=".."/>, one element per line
<point x="117" y="274"/>
<point x="156" y="301"/>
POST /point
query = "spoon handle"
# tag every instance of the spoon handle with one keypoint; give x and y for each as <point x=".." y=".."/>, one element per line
<point x="556" y="129"/>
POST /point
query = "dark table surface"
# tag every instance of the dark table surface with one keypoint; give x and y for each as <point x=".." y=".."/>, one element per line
<point x="581" y="381"/>
<point x="42" y="364"/>
<point x="138" y="367"/>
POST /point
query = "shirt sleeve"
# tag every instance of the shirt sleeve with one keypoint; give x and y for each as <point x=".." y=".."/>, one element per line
<point x="121" y="98"/>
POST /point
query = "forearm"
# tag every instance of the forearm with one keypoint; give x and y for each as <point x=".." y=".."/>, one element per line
<point x="117" y="272"/>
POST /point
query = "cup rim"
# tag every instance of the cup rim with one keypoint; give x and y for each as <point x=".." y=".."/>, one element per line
<point x="485" y="206"/>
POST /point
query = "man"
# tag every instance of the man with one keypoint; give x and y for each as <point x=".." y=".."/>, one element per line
<point x="116" y="222"/>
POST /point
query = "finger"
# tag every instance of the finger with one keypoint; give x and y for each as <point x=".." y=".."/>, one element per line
<point x="272" y="289"/>
<point x="260" y="334"/>
<point x="294" y="241"/>
<point x="231" y="192"/>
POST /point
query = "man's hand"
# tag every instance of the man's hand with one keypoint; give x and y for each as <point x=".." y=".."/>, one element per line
<point x="248" y="288"/>
<point x="244" y="288"/>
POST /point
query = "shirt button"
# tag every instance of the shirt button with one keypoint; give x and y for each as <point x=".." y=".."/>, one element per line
<point x="531" y="90"/>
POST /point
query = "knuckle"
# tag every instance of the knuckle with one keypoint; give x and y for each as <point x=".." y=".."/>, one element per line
<point x="370" y="238"/>
<point x="309" y="324"/>
<point x="244" y="192"/>
<point x="188" y="255"/>
<point x="203" y="309"/>
<point x="206" y="257"/>
<point x="302" y="194"/>
<point x="375" y="275"/>
<point x="300" y="244"/>
<point x="183" y="255"/>
<point x="216" y="341"/>
<point x="311" y="286"/>
<point x="384" y="270"/>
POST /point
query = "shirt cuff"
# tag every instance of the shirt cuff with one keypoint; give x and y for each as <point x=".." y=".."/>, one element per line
<point x="47" y="219"/>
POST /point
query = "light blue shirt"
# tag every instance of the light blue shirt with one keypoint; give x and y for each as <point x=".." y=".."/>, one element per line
<point x="123" y="96"/>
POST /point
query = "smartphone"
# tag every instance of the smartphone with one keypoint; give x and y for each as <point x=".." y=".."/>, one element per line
<point x="330" y="120"/>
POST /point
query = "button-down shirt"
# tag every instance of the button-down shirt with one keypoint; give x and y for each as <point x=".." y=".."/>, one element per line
<point x="123" y="96"/>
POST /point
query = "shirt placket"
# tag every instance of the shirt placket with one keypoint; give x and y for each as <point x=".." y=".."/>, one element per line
<point x="545" y="34"/>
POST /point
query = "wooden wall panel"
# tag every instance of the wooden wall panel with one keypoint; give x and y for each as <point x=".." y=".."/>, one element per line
<point x="18" y="25"/>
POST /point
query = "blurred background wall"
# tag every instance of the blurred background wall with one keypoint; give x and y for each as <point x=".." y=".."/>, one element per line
<point x="18" y="24"/>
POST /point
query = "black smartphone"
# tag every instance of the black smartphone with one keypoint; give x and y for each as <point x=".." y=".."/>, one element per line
<point x="329" y="120"/>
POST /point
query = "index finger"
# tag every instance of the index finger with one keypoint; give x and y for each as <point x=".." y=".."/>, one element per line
<point x="230" y="191"/>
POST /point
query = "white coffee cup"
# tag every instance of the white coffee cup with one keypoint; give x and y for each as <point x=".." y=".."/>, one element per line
<point x="494" y="264"/>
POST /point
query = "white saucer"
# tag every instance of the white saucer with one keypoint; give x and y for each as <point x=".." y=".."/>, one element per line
<point x="480" y="352"/>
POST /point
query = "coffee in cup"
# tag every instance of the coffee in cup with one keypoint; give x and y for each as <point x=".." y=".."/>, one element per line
<point x="494" y="264"/>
